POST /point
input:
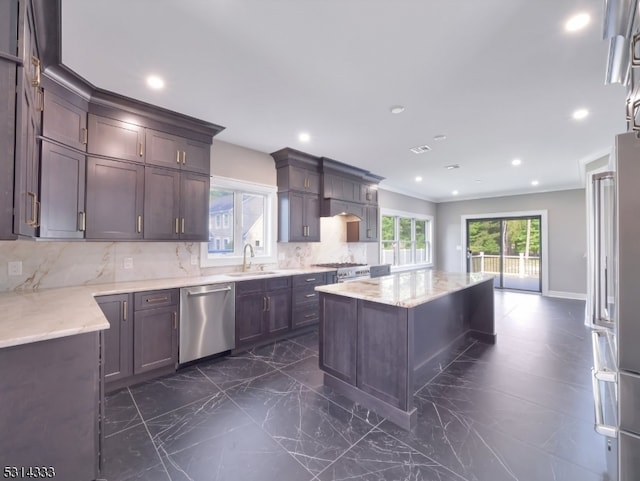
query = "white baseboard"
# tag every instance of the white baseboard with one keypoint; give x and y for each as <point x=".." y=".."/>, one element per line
<point x="568" y="295"/>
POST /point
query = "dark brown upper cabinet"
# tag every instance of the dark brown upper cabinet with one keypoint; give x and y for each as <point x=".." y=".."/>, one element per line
<point x="172" y="151"/>
<point x="65" y="121"/>
<point x="115" y="138"/>
<point x="115" y="199"/>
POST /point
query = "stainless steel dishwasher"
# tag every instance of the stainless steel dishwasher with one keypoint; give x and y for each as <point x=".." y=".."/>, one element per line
<point x="207" y="320"/>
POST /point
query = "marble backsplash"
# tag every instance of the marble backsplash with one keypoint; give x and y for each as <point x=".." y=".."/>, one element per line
<point x="49" y="264"/>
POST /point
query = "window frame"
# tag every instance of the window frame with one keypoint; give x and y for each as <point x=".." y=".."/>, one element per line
<point x="429" y="238"/>
<point x="239" y="187"/>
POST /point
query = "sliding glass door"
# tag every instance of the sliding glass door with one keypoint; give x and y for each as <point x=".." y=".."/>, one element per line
<point x="507" y="247"/>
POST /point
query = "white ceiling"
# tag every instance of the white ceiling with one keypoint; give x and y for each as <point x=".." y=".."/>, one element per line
<point x="499" y="78"/>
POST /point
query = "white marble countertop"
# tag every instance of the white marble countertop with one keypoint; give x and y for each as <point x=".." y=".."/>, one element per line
<point x="31" y="316"/>
<point x="407" y="289"/>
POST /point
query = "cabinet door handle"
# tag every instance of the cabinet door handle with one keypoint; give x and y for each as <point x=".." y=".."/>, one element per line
<point x="177" y="226"/>
<point x="35" y="61"/>
<point x="124" y="311"/>
<point x="309" y="316"/>
<point x="311" y="279"/>
<point x="268" y="303"/>
<point x="177" y="156"/>
<point x="184" y="157"/>
<point x="152" y="300"/>
<point x="264" y="304"/>
<point x="182" y="226"/>
<point x="141" y="152"/>
<point x="310" y="295"/>
<point x="41" y="100"/>
<point x="85" y="136"/>
<point x="175" y="321"/>
<point x="34" y="209"/>
<point x="139" y="224"/>
<point x="82" y="221"/>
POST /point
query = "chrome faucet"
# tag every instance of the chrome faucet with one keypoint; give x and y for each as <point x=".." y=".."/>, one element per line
<point x="244" y="257"/>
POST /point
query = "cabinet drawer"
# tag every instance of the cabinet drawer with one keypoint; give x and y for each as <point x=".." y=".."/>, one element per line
<point x="305" y="295"/>
<point x="276" y="283"/>
<point x="154" y="299"/>
<point x="315" y="279"/>
<point x="305" y="316"/>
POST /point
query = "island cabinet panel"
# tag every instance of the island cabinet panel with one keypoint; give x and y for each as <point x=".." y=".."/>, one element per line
<point x="338" y="336"/>
<point x="384" y="353"/>
<point x="115" y="195"/>
<point x="50" y="406"/>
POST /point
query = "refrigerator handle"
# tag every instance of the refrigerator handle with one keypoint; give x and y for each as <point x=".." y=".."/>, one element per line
<point x="598" y="319"/>
<point x="599" y="426"/>
<point x="602" y="373"/>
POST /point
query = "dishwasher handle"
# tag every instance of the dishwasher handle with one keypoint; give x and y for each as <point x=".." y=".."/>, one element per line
<point x="205" y="293"/>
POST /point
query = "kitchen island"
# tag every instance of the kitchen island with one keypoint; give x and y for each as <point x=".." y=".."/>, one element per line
<point x="377" y="334"/>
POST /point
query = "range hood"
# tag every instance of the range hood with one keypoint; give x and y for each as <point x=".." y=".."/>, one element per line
<point x="331" y="207"/>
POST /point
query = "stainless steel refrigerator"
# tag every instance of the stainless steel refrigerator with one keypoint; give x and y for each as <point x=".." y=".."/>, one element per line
<point x="614" y="299"/>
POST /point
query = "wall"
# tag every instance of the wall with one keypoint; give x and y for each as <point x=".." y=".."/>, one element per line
<point x="396" y="201"/>
<point x="49" y="264"/>
<point x="566" y="231"/>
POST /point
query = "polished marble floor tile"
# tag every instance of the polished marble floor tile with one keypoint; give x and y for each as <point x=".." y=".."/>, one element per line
<point x="129" y="455"/>
<point x="230" y="371"/>
<point x="167" y="393"/>
<point x="322" y="430"/>
<point x="519" y="410"/>
<point x="120" y="412"/>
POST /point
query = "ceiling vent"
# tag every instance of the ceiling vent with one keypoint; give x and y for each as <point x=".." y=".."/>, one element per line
<point x="421" y="149"/>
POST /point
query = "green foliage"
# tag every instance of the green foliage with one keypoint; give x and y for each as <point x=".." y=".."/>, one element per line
<point x="484" y="236"/>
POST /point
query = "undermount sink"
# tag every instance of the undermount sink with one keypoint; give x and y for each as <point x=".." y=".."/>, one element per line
<point x="251" y="273"/>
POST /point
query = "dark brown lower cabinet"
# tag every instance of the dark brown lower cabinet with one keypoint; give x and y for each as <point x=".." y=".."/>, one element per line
<point x="305" y="301"/>
<point x="340" y="324"/>
<point x="50" y="406"/>
<point x="118" y="348"/>
<point x="263" y="310"/>
<point x="142" y="341"/>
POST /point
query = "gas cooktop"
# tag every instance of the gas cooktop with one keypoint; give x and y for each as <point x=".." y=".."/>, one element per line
<point x="340" y="265"/>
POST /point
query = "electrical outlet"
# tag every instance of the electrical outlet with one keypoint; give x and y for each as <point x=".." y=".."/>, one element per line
<point x="15" y="268"/>
<point x="194" y="259"/>
<point x="128" y="262"/>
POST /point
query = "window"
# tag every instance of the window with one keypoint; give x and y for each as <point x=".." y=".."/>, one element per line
<point x="406" y="239"/>
<point x="240" y="213"/>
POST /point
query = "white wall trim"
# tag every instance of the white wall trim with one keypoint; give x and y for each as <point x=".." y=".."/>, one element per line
<point x="492" y="215"/>
<point x="567" y="295"/>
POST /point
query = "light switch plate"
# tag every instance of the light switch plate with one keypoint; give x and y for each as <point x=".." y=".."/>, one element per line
<point x="194" y="259"/>
<point x="128" y="262"/>
<point x="14" y="268"/>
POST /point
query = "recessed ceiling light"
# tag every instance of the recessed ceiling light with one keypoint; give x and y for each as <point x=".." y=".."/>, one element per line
<point x="580" y="114"/>
<point x="439" y="137"/>
<point x="577" y="22"/>
<point x="516" y="162"/>
<point x="155" y="82"/>
<point x="304" y="137"/>
<point x="534" y="182"/>
<point x="418" y="179"/>
<point x="397" y="109"/>
<point x="455" y="192"/>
